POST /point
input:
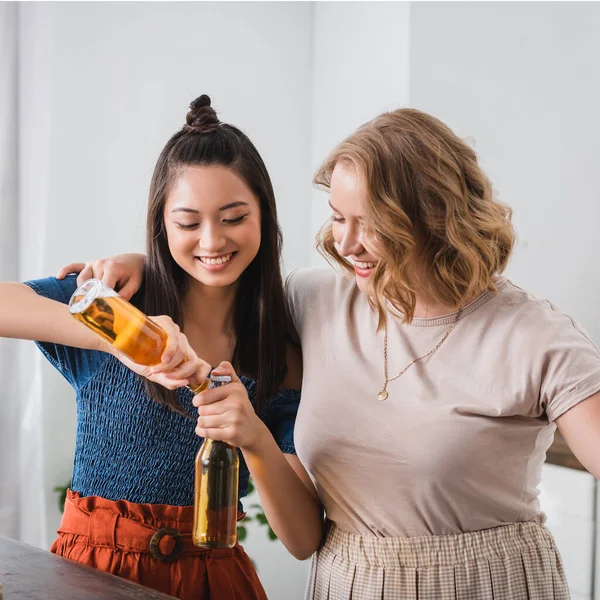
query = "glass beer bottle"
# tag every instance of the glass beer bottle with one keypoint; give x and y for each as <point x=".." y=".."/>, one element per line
<point x="216" y="490"/>
<point x="121" y="324"/>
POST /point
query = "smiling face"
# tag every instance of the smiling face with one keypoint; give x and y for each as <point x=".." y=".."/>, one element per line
<point x="348" y="202"/>
<point x="213" y="224"/>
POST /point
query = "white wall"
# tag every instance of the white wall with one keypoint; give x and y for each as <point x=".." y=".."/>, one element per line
<point x="45" y="453"/>
<point x="122" y="76"/>
<point x="568" y="498"/>
<point x="522" y="80"/>
<point x="9" y="401"/>
<point x="361" y="68"/>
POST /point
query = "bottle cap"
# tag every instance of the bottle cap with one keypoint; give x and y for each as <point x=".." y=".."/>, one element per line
<point x="86" y="293"/>
<point x="219" y="380"/>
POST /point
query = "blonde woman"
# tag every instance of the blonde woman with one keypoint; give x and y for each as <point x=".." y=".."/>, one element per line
<point x="432" y="385"/>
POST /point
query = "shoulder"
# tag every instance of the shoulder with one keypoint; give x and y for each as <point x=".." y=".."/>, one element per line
<point x="60" y="290"/>
<point x="313" y="285"/>
<point x="311" y="278"/>
<point x="527" y="315"/>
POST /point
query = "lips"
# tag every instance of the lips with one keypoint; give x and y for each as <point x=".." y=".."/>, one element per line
<point x="364" y="268"/>
<point x="218" y="260"/>
<point x="216" y="264"/>
<point x="365" y="265"/>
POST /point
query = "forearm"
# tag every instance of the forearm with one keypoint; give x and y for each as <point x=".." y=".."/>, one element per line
<point x="580" y="427"/>
<point x="294" y="512"/>
<point x="26" y="315"/>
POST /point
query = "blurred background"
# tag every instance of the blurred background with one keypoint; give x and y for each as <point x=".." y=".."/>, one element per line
<point x="90" y="93"/>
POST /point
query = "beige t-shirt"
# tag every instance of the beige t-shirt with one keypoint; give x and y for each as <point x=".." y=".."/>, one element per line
<point x="459" y="444"/>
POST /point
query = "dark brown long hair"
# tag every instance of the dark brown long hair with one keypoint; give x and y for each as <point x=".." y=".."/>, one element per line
<point x="262" y="321"/>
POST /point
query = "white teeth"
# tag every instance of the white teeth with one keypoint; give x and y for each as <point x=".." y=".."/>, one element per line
<point x="365" y="265"/>
<point x="216" y="261"/>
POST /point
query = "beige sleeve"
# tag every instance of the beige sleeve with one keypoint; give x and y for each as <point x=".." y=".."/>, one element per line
<point x="571" y="368"/>
<point x="291" y="291"/>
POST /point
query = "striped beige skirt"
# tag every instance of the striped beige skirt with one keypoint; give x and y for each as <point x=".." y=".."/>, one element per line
<point x="514" y="562"/>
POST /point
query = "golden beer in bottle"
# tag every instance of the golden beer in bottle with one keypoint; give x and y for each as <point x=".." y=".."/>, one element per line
<point x="216" y="490"/>
<point x="121" y="324"/>
<point x="118" y="322"/>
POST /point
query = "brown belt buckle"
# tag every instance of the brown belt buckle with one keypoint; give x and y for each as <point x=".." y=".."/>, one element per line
<point x="155" y="550"/>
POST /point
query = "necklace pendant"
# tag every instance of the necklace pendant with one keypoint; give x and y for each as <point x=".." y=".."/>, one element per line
<point x="383" y="395"/>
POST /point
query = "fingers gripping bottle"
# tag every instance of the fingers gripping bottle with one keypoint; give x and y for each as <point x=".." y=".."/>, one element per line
<point x="216" y="490"/>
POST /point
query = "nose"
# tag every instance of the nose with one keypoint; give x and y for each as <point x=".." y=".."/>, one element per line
<point x="212" y="238"/>
<point x="351" y="241"/>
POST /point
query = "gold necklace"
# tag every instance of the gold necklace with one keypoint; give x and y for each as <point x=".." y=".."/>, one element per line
<point x="383" y="394"/>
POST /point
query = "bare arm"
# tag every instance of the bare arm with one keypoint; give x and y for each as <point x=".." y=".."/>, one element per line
<point x="287" y="495"/>
<point x="29" y="316"/>
<point x="580" y="427"/>
<point x="26" y="315"/>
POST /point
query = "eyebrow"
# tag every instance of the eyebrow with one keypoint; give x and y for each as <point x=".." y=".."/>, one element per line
<point x="225" y="207"/>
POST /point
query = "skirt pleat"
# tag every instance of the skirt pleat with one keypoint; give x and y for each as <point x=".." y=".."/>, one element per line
<point x="514" y="562"/>
<point x="437" y="582"/>
<point x="400" y="584"/>
<point x="559" y="581"/>
<point x="474" y="581"/>
<point x="342" y="581"/>
<point x="323" y="573"/>
<point x="543" y="562"/>
<point x="509" y="580"/>
<point x="312" y="578"/>
<point x="368" y="583"/>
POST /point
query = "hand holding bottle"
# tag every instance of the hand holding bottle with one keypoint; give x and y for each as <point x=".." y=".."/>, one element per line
<point x="180" y="366"/>
<point x="152" y="347"/>
<point x="226" y="413"/>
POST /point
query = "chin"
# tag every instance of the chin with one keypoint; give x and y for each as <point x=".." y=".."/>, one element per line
<point x="217" y="281"/>
<point x="362" y="283"/>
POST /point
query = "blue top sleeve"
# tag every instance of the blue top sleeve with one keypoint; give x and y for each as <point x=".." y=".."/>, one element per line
<point x="280" y="418"/>
<point x="279" y="415"/>
<point x="76" y="365"/>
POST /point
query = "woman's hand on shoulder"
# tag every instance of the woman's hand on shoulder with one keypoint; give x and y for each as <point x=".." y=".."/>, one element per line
<point x="123" y="272"/>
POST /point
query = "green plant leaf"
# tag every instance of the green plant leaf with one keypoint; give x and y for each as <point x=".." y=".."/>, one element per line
<point x="242" y="533"/>
<point x="271" y="534"/>
<point x="260" y="517"/>
<point x="61" y="490"/>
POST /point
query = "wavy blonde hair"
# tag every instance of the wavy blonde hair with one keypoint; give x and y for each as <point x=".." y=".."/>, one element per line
<point x="428" y="200"/>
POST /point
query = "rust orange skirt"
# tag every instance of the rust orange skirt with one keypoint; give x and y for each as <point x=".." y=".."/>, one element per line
<point x="151" y="544"/>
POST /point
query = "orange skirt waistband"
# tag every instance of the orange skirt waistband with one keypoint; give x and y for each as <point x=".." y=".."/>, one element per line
<point x="163" y="531"/>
